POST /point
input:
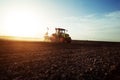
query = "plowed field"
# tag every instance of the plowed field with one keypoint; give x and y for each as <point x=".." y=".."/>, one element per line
<point x="54" y="61"/>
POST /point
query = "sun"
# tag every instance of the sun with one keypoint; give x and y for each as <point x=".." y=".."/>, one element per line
<point x="22" y="24"/>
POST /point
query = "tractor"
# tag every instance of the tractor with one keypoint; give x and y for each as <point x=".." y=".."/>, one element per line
<point x="60" y="35"/>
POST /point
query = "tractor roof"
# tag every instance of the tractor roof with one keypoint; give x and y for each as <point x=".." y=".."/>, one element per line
<point x="59" y="29"/>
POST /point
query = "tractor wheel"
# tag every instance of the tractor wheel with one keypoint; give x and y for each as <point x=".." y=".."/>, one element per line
<point x="62" y="40"/>
<point x="69" y="40"/>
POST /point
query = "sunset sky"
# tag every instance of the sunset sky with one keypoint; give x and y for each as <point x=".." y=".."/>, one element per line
<point x="84" y="19"/>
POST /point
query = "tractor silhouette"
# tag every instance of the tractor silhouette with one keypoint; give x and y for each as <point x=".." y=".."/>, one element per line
<point x="60" y="35"/>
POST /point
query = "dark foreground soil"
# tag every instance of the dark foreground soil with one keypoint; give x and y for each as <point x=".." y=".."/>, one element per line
<point x="55" y="61"/>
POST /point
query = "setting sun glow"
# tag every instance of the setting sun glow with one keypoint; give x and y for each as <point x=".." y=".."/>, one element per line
<point x="21" y="24"/>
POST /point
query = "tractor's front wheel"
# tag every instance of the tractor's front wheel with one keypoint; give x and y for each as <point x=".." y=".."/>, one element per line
<point x="69" y="40"/>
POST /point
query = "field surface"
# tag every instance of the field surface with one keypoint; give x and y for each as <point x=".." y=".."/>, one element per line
<point x="54" y="61"/>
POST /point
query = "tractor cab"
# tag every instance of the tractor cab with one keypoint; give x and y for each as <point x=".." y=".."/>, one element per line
<point x="60" y="31"/>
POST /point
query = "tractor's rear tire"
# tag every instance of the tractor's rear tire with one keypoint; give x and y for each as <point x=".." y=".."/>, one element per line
<point x="65" y="40"/>
<point x="62" y="40"/>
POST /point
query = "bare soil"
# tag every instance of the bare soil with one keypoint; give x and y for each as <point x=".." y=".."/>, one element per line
<point x="83" y="60"/>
